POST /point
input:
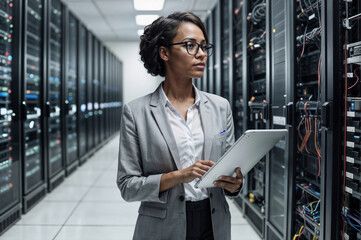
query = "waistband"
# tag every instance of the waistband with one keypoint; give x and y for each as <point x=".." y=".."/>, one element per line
<point x="203" y="204"/>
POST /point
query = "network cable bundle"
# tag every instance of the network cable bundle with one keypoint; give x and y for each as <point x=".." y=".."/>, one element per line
<point x="308" y="119"/>
<point x="258" y="106"/>
<point x="351" y="187"/>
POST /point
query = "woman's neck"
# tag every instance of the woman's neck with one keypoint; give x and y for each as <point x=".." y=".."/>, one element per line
<point x="178" y="90"/>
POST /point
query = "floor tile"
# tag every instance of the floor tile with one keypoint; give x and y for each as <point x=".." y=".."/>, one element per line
<point x="83" y="178"/>
<point x="19" y="232"/>
<point x="107" y="179"/>
<point x="67" y="193"/>
<point x="243" y="232"/>
<point x="96" y="233"/>
<point x="103" y="194"/>
<point x="48" y="213"/>
<point x="237" y="216"/>
<point x="105" y="213"/>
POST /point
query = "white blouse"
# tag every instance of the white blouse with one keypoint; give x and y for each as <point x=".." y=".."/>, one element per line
<point x="189" y="138"/>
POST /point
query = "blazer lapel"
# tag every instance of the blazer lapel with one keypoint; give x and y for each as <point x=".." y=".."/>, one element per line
<point x="160" y="116"/>
<point x="205" y="119"/>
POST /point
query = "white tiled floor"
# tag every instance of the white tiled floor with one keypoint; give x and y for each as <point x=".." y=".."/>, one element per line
<point x="88" y="206"/>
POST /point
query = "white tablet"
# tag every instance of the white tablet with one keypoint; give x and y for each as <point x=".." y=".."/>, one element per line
<point x="251" y="147"/>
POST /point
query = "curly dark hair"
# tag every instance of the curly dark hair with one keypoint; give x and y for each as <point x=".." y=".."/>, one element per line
<point x="161" y="33"/>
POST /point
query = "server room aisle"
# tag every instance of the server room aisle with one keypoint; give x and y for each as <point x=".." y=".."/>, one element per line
<point x="88" y="206"/>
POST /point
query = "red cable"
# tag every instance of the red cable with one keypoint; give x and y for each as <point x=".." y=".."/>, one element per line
<point x="356" y="77"/>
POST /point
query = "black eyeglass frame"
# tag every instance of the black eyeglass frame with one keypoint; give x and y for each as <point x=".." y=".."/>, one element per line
<point x="198" y="46"/>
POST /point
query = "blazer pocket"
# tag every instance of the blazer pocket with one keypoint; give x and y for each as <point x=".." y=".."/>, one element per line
<point x="153" y="212"/>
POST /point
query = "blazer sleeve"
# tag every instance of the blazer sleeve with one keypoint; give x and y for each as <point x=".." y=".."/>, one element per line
<point x="132" y="183"/>
<point x="229" y="143"/>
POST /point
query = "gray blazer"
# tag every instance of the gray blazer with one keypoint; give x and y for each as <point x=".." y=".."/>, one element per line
<point x="148" y="149"/>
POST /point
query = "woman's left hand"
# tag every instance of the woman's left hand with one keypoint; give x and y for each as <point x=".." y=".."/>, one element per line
<point x="230" y="184"/>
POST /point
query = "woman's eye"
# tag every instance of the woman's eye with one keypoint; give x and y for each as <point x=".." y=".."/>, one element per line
<point x="204" y="47"/>
<point x="191" y="45"/>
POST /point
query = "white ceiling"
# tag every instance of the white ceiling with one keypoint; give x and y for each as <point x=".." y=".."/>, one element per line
<point x="114" y="20"/>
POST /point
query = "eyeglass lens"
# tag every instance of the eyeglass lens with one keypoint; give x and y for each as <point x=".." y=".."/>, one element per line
<point x="193" y="48"/>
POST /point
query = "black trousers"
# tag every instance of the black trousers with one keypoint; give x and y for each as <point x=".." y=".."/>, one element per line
<point x="199" y="220"/>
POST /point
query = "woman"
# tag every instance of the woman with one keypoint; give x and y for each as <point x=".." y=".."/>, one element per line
<point x="165" y="135"/>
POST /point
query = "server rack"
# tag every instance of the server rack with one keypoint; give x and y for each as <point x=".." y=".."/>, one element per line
<point x="105" y="91"/>
<point x="255" y="73"/>
<point x="70" y="106"/>
<point x="54" y="96"/>
<point x="239" y="103"/>
<point x="82" y="115"/>
<point x="101" y="92"/>
<point x="307" y="185"/>
<point x="204" y="80"/>
<point x="226" y="79"/>
<point x="10" y="74"/>
<point x="89" y="96"/>
<point x="96" y="90"/>
<point x="277" y="164"/>
<point x="211" y="60"/>
<point x="218" y="49"/>
<point x="348" y="62"/>
<point x="32" y="99"/>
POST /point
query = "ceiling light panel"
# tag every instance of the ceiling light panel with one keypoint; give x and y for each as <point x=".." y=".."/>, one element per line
<point x="147" y="5"/>
<point x="143" y="20"/>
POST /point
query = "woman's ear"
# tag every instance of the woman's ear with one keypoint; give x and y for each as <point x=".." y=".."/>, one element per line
<point x="163" y="53"/>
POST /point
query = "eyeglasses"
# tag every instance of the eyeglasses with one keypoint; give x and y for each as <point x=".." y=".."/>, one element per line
<point x="193" y="47"/>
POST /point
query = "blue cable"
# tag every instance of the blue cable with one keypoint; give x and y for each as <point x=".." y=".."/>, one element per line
<point x="314" y="191"/>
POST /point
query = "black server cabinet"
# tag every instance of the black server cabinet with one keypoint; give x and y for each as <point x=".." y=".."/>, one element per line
<point x="82" y="115"/>
<point x="307" y="201"/>
<point x="96" y="90"/>
<point x="204" y="80"/>
<point x="226" y="79"/>
<point x="90" y="96"/>
<point x="54" y="95"/>
<point x="277" y="183"/>
<point x="210" y="75"/>
<point x="70" y="126"/>
<point x="345" y="64"/>
<point x="105" y="92"/>
<point x="10" y="168"/>
<point x="255" y="86"/>
<point x="112" y="93"/>
<point x="217" y="53"/>
<point x="33" y="75"/>
<point x="101" y="92"/>
<point x="237" y="69"/>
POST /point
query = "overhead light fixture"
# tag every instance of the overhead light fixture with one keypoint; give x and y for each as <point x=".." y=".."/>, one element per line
<point x="140" y="32"/>
<point x="143" y="20"/>
<point x="147" y="5"/>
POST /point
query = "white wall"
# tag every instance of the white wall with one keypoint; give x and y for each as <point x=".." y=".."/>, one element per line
<point x="136" y="81"/>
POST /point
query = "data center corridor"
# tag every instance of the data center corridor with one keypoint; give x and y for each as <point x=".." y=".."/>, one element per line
<point x="88" y="206"/>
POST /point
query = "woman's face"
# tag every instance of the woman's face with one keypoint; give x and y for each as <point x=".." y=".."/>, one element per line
<point x="179" y="61"/>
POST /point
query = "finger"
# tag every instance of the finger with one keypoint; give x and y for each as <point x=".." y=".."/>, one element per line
<point x="229" y="179"/>
<point x="225" y="185"/>
<point x="239" y="173"/>
<point x="196" y="174"/>
<point x="202" y="166"/>
<point x="207" y="162"/>
<point x="200" y="171"/>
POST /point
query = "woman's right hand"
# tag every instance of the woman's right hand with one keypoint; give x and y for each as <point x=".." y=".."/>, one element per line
<point x="197" y="170"/>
